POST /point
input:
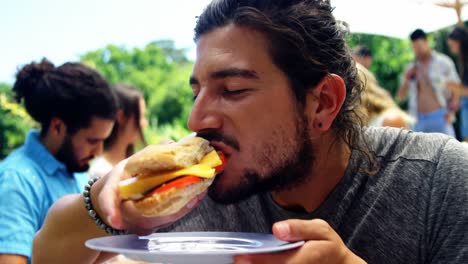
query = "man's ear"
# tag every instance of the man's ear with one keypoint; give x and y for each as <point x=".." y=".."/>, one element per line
<point x="120" y="118"/>
<point x="329" y="95"/>
<point x="57" y="128"/>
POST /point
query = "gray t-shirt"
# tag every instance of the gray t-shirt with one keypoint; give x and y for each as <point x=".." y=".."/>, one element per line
<point x="414" y="210"/>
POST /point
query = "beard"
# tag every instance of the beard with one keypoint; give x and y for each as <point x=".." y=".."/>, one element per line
<point x="66" y="154"/>
<point x="282" y="168"/>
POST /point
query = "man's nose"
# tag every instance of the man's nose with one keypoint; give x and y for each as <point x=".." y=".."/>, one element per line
<point x="205" y="114"/>
<point x="98" y="149"/>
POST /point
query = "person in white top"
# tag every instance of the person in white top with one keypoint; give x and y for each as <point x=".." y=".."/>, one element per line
<point x="126" y="132"/>
<point x="119" y="145"/>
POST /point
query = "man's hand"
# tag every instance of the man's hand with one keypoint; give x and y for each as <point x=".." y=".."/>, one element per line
<point x="454" y="101"/>
<point x="410" y="73"/>
<point x="123" y="214"/>
<point x="322" y="245"/>
<point x="407" y="76"/>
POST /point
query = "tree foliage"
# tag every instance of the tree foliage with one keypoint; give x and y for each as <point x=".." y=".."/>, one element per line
<point x="161" y="72"/>
<point x="14" y="122"/>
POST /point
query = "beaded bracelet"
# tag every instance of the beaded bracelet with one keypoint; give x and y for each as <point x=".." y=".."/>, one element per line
<point x="92" y="213"/>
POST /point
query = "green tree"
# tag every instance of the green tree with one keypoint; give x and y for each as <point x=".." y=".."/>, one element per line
<point x="14" y="122"/>
<point x="161" y="71"/>
<point x="390" y="56"/>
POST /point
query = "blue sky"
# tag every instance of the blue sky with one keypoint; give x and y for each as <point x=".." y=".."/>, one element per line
<point x="61" y="30"/>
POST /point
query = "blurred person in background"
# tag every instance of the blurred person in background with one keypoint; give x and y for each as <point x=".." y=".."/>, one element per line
<point x="376" y="102"/>
<point x="431" y="103"/>
<point x="378" y="105"/>
<point x="127" y="131"/>
<point x="362" y="55"/>
<point x="458" y="44"/>
<point x="76" y="109"/>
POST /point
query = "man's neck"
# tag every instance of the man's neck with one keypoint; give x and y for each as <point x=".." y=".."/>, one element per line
<point x="50" y="143"/>
<point x="332" y="158"/>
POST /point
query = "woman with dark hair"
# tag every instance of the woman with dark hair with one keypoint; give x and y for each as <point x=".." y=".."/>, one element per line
<point x="458" y="44"/>
<point x="126" y="132"/>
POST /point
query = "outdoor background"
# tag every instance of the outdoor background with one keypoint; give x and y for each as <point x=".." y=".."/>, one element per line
<point x="146" y="43"/>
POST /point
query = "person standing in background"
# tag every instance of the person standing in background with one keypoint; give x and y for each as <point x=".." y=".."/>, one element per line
<point x="76" y="109"/>
<point x="127" y="130"/>
<point x="458" y="44"/>
<point x="431" y="102"/>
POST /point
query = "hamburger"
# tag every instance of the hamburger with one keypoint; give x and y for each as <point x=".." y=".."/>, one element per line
<point x="166" y="177"/>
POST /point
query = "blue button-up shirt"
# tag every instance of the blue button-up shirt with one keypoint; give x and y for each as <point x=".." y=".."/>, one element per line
<point x="31" y="180"/>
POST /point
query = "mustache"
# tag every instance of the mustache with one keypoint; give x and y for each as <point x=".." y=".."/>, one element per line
<point x="214" y="135"/>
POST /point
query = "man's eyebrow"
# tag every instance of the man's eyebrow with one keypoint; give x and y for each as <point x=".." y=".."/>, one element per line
<point x="225" y="73"/>
<point x="234" y="72"/>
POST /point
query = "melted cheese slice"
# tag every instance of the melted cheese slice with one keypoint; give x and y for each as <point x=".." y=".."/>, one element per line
<point x="135" y="187"/>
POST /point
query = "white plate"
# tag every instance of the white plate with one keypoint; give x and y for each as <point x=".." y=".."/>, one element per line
<point x="190" y="247"/>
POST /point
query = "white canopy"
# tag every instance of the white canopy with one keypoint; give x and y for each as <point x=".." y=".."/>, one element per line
<point x="396" y="18"/>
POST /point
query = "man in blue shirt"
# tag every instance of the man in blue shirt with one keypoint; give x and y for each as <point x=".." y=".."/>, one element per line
<point x="76" y="109"/>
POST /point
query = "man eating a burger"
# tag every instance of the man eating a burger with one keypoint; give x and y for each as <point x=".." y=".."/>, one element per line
<point x="276" y="92"/>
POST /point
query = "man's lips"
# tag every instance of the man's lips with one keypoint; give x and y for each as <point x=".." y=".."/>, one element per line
<point x="220" y="146"/>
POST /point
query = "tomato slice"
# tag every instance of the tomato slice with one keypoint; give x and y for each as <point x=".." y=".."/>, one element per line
<point x="220" y="168"/>
<point x="177" y="183"/>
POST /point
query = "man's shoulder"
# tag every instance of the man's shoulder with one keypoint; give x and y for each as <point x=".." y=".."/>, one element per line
<point x="393" y="144"/>
<point x="454" y="159"/>
<point x="15" y="158"/>
<point x="18" y="162"/>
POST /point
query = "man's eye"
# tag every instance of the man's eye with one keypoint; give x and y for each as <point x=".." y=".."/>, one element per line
<point x="229" y="92"/>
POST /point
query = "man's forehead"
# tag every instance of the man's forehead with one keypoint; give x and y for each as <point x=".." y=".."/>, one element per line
<point x="97" y="127"/>
<point x="230" y="49"/>
<point x="230" y="38"/>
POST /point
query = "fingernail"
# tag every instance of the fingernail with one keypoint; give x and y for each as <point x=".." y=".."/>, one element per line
<point x="282" y="230"/>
